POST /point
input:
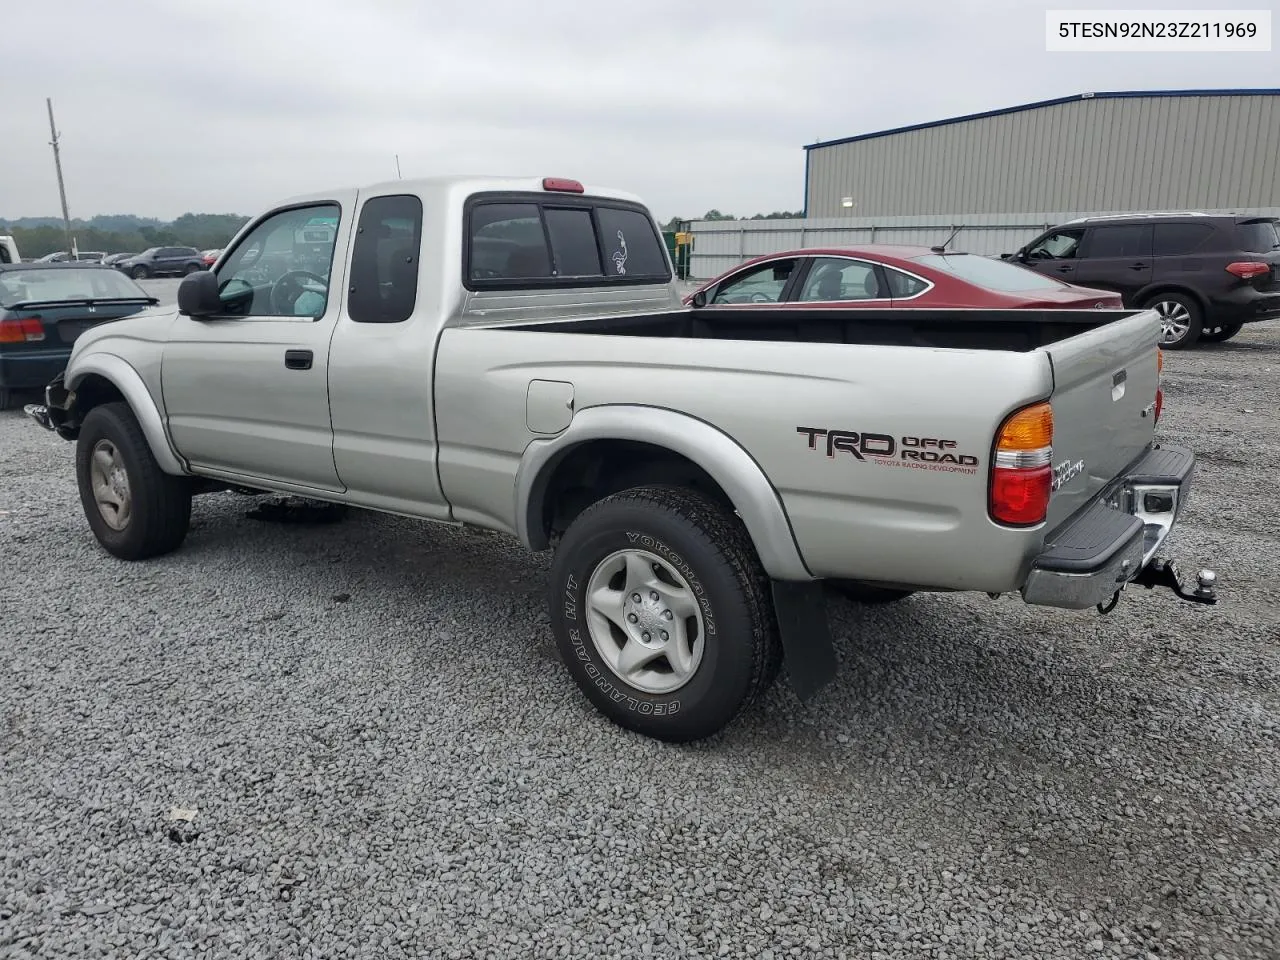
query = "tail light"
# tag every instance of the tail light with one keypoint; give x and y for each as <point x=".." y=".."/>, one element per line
<point x="1248" y="269"/>
<point x="21" y="330"/>
<point x="1022" y="475"/>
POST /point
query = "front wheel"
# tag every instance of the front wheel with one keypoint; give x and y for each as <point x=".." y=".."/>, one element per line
<point x="6" y="398"/>
<point x="662" y="612"/>
<point x="140" y="272"/>
<point x="1181" y="319"/>
<point x="134" y="508"/>
<point x="1221" y="334"/>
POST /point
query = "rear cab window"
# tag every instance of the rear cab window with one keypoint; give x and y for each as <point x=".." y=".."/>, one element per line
<point x="532" y="241"/>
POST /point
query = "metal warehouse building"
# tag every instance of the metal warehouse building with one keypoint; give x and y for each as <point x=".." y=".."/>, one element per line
<point x="1004" y="175"/>
<point x="1168" y="150"/>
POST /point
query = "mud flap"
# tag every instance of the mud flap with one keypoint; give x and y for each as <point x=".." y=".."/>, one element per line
<point x="801" y="609"/>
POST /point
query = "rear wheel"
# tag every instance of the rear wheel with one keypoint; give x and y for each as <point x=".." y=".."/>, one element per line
<point x="191" y="268"/>
<point x="134" y="508"/>
<point x="1222" y="333"/>
<point x="1181" y="319"/>
<point x="662" y="612"/>
<point x="6" y="398"/>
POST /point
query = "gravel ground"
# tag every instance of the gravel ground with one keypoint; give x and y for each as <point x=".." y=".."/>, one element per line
<point x="382" y="756"/>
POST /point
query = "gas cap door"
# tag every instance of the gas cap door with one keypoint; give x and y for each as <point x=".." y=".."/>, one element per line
<point x="548" y="406"/>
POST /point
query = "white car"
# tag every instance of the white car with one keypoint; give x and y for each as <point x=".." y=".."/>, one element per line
<point x="9" y="250"/>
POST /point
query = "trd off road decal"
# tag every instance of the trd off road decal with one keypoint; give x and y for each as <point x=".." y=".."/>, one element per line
<point x="912" y="453"/>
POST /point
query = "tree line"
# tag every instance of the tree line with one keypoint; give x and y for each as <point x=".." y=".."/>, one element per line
<point x="674" y="223"/>
<point x="123" y="233"/>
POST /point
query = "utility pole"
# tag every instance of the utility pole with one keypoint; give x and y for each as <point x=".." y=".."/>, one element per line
<point x="57" y="162"/>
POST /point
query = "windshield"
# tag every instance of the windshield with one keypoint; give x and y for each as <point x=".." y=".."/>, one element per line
<point x="1260" y="236"/>
<point x="22" y="286"/>
<point x="990" y="274"/>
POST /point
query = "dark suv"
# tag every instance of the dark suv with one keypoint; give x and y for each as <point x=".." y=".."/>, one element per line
<point x="162" y="262"/>
<point x="1205" y="274"/>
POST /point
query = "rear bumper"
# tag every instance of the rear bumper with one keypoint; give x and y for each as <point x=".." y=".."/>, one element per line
<point x="1109" y="543"/>
<point x="33" y="371"/>
<point x="1245" y="305"/>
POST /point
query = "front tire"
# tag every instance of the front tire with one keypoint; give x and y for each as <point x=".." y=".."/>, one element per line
<point x="1221" y="334"/>
<point x="134" y="508"/>
<point x="1181" y="319"/>
<point x="663" y="613"/>
<point x="6" y="398"/>
<point x="140" y="272"/>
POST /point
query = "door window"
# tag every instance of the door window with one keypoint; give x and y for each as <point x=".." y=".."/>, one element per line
<point x="281" y="269"/>
<point x="1177" y="239"/>
<point x="385" y="260"/>
<point x="1059" y="245"/>
<point x="836" y="279"/>
<point x="760" y="284"/>
<point x="1120" y="241"/>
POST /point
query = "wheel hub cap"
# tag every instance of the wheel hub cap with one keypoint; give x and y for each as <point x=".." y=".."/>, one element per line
<point x="110" y="482"/>
<point x="645" y="621"/>
<point x="1175" y="320"/>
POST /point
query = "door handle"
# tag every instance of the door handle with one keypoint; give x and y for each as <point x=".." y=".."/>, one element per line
<point x="1137" y="266"/>
<point x="1065" y="268"/>
<point x="298" y="359"/>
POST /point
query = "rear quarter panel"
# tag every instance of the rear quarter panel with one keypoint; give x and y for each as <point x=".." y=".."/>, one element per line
<point x="879" y="518"/>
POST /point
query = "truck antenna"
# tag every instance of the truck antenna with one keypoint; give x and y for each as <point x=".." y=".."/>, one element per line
<point x="399" y="176"/>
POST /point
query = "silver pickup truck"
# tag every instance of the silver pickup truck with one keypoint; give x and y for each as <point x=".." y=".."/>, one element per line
<point x="514" y="354"/>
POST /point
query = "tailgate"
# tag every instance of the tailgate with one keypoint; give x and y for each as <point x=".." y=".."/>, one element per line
<point x="1104" y="388"/>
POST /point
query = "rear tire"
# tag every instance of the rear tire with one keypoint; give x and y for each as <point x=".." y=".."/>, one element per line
<point x="140" y="272"/>
<point x="6" y="398"/>
<point x="866" y="593"/>
<point x="700" y="643"/>
<point x="134" y="508"/>
<point x="191" y="268"/>
<point x="1181" y="319"/>
<point x="1221" y="334"/>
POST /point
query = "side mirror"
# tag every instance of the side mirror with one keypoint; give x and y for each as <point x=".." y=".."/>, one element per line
<point x="700" y="299"/>
<point x="198" y="295"/>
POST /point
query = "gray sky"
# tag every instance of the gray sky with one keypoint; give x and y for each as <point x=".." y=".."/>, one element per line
<point x="167" y="107"/>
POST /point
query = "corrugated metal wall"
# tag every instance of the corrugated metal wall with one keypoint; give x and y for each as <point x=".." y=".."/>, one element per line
<point x="1123" y="153"/>
<point x="720" y="245"/>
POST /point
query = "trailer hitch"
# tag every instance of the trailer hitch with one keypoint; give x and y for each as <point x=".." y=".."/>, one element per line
<point x="1164" y="573"/>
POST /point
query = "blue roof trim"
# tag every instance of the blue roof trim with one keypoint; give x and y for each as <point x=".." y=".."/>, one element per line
<point x="804" y="210"/>
<point x="1057" y="101"/>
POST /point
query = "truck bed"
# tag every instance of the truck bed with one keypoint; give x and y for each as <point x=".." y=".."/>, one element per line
<point x="1013" y="330"/>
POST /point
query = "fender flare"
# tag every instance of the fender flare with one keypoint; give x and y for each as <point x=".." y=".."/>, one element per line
<point x="722" y="457"/>
<point x="129" y="382"/>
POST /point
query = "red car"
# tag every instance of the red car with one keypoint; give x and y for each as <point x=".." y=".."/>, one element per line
<point x="891" y="276"/>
